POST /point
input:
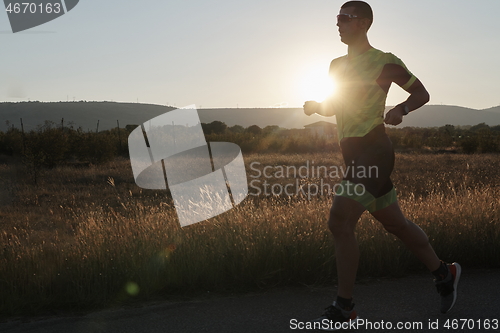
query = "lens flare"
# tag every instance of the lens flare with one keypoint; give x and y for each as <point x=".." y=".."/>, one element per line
<point x="316" y="85"/>
<point x="132" y="288"/>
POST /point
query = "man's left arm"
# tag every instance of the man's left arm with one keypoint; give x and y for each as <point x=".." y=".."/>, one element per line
<point x="396" y="71"/>
<point x="418" y="97"/>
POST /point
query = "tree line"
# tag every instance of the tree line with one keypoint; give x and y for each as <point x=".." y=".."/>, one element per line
<point x="480" y="138"/>
<point x="50" y="144"/>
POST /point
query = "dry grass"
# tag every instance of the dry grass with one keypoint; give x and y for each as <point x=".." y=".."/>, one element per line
<point x="91" y="237"/>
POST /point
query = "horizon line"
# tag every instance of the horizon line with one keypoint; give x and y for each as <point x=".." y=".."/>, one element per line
<point x="215" y="108"/>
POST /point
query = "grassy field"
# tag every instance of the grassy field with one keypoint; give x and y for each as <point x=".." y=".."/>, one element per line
<point x="89" y="237"/>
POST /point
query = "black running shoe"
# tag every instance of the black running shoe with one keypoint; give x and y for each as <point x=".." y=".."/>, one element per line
<point x="336" y="318"/>
<point x="447" y="287"/>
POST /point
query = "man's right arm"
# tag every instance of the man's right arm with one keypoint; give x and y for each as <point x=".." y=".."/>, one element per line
<point x="324" y="108"/>
<point x="328" y="106"/>
<point x="311" y="107"/>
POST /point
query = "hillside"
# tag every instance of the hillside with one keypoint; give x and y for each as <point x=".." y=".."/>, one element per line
<point x="87" y="114"/>
<point x="493" y="109"/>
<point x="440" y="115"/>
<point x="81" y="114"/>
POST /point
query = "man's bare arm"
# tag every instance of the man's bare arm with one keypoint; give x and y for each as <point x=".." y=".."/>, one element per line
<point x="325" y="108"/>
<point x="418" y="97"/>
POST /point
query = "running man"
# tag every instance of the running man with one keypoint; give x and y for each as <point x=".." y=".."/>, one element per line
<point x="363" y="78"/>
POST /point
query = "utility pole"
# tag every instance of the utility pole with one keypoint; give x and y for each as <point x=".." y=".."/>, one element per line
<point x="24" y="140"/>
<point x="119" y="138"/>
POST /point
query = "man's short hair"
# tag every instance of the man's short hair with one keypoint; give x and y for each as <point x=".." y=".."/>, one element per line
<point x="362" y="9"/>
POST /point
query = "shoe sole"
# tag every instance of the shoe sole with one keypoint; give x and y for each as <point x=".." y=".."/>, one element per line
<point x="458" y="272"/>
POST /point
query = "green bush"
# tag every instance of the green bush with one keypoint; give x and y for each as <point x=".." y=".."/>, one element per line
<point x="469" y="145"/>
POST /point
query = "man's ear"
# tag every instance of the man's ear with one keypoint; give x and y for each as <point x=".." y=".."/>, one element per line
<point x="366" y="23"/>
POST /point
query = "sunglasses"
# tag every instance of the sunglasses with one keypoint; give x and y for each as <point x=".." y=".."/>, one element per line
<point x="346" y="17"/>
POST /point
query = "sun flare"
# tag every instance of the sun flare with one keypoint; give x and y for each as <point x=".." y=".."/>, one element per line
<point x="316" y="85"/>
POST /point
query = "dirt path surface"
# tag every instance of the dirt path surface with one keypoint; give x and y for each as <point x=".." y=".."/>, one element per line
<point x="411" y="300"/>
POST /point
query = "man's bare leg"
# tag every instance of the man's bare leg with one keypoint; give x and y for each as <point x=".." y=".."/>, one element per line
<point x="344" y="215"/>
<point x="447" y="275"/>
<point x="412" y="236"/>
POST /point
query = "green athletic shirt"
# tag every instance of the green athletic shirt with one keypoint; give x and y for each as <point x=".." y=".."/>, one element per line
<point x="362" y="84"/>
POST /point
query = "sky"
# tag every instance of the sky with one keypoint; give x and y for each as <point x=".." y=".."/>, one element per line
<point x="260" y="53"/>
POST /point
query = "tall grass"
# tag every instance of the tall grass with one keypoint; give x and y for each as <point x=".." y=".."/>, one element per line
<point x="92" y="238"/>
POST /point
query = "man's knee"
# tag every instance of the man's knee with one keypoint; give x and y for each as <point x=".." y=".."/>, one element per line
<point x="339" y="223"/>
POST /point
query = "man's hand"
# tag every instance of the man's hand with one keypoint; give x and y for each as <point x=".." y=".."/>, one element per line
<point x="394" y="116"/>
<point x="311" y="107"/>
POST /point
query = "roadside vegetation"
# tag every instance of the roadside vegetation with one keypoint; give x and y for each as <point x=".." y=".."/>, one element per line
<point x="79" y="236"/>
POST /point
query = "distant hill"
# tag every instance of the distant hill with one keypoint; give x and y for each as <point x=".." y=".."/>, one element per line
<point x="440" y="115"/>
<point x="87" y="114"/>
<point x="81" y="114"/>
<point x="493" y="109"/>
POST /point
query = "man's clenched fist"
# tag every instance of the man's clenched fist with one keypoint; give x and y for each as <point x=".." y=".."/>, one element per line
<point x="311" y="107"/>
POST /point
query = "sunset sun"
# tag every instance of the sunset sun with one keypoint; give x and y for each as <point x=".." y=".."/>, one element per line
<point x="315" y="84"/>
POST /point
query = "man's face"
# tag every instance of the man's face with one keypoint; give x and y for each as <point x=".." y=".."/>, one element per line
<point x="350" y="29"/>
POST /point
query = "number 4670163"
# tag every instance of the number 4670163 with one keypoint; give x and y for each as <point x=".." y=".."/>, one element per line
<point x="33" y="8"/>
